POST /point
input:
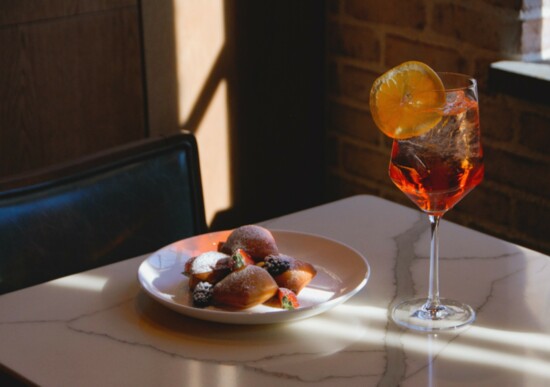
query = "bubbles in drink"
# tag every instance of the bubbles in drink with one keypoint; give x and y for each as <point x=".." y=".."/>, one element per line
<point x="439" y="167"/>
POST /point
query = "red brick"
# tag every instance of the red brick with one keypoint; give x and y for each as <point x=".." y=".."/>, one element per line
<point x="410" y="13"/>
<point x="391" y="192"/>
<point x="340" y="187"/>
<point x="366" y="163"/>
<point x="481" y="68"/>
<point x="535" y="132"/>
<point x="510" y="4"/>
<point x="353" y="41"/>
<point x="533" y="220"/>
<point x="470" y="36"/>
<point x="353" y="122"/>
<point x="477" y="28"/>
<point x="496" y="118"/>
<point x="528" y="175"/>
<point x="400" y="49"/>
<point x="488" y="204"/>
<point x="356" y="83"/>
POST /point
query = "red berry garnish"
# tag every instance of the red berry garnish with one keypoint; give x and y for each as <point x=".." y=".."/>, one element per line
<point x="240" y="259"/>
<point x="288" y="299"/>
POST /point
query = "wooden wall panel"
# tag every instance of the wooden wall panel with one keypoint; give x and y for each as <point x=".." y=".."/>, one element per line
<point x="69" y="86"/>
<point x="24" y="11"/>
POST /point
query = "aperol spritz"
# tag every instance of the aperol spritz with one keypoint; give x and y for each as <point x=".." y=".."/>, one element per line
<point x="436" y="160"/>
<point x="437" y="169"/>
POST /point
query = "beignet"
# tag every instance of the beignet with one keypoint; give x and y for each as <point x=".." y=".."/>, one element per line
<point x="257" y="241"/>
<point x="244" y="288"/>
<point x="206" y="267"/>
<point x="289" y="272"/>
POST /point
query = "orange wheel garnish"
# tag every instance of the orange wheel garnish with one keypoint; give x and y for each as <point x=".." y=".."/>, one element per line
<point x="406" y="101"/>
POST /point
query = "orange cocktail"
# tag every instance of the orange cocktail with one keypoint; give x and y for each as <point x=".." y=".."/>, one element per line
<point x="436" y="160"/>
<point x="438" y="168"/>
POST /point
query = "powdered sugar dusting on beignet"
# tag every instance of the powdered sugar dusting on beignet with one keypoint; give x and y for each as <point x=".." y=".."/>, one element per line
<point x="245" y="288"/>
<point x="257" y="241"/>
<point x="205" y="262"/>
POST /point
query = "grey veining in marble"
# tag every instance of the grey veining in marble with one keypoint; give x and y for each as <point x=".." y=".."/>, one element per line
<point x="99" y="328"/>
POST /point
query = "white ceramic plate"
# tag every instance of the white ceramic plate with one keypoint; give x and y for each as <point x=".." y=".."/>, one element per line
<point x="341" y="273"/>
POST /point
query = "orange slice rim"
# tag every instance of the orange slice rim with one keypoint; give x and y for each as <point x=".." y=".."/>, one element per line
<point x="407" y="100"/>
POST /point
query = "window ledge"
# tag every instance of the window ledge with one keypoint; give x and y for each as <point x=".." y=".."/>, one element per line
<point x="526" y="80"/>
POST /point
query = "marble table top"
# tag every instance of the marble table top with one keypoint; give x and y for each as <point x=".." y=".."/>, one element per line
<point x="98" y="328"/>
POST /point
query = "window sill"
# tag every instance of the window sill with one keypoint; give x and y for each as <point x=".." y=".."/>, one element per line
<point x="526" y="80"/>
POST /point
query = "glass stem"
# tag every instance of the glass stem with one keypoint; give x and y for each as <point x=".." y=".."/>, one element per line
<point x="433" y="302"/>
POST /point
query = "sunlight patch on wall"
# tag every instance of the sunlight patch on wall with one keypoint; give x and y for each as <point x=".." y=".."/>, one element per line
<point x="200" y="38"/>
<point x="213" y="140"/>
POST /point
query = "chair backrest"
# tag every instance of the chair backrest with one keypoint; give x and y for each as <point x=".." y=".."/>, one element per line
<point x="115" y="205"/>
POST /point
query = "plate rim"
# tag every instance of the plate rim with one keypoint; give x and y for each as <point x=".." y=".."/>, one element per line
<point x="260" y="317"/>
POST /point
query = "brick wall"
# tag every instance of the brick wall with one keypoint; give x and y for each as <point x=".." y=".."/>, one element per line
<point x="366" y="37"/>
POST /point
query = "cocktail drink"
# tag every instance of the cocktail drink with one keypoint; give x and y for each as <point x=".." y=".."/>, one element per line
<point x="436" y="160"/>
<point x="438" y="168"/>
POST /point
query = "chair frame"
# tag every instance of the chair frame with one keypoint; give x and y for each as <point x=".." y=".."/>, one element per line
<point x="78" y="169"/>
<point x="73" y="172"/>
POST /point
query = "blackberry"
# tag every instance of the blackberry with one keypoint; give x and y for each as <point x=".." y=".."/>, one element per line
<point x="277" y="264"/>
<point x="202" y="294"/>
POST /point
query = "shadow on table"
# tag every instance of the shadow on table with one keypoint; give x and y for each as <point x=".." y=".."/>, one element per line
<point x="10" y="379"/>
<point x="205" y="340"/>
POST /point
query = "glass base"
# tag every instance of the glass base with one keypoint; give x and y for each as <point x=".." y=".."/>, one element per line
<point x="418" y="314"/>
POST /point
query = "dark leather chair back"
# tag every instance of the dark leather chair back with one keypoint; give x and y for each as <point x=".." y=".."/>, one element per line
<point x="118" y="204"/>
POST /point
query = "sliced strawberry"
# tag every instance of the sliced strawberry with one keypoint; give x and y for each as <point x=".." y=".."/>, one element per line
<point x="288" y="299"/>
<point x="187" y="266"/>
<point x="241" y="259"/>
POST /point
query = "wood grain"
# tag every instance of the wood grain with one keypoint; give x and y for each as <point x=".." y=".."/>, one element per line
<point x="69" y="87"/>
<point x="25" y="11"/>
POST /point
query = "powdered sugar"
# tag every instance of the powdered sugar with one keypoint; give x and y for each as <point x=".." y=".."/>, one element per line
<point x="255" y="240"/>
<point x="206" y="262"/>
<point x="251" y="278"/>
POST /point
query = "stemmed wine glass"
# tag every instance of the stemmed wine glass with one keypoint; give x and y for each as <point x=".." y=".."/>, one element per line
<point x="435" y="170"/>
